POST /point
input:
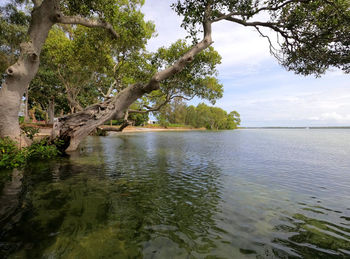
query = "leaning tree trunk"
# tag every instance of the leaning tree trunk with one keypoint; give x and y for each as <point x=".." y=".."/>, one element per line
<point x="44" y="15"/>
<point x="125" y="124"/>
<point x="119" y="129"/>
<point x="73" y="128"/>
<point x="20" y="74"/>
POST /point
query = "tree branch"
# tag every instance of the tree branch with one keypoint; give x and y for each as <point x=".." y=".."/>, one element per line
<point x="125" y="124"/>
<point x="157" y="108"/>
<point x="109" y="91"/>
<point x="86" y="22"/>
<point x="187" y="58"/>
<point x="264" y="8"/>
<point x="277" y="7"/>
<point x="273" y="50"/>
<point x="270" y="25"/>
<point x="151" y="109"/>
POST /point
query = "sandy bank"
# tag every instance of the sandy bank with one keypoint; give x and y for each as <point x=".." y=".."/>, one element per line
<point x="155" y="129"/>
<point x="44" y="131"/>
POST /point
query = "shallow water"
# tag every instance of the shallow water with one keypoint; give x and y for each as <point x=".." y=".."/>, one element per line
<point x="230" y="194"/>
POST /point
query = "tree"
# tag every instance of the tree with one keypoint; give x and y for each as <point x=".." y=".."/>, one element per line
<point x="196" y="79"/>
<point x="312" y="36"/>
<point x="125" y="17"/>
<point x="72" y="66"/>
<point x="13" y="27"/>
<point x="233" y="120"/>
<point x="202" y="116"/>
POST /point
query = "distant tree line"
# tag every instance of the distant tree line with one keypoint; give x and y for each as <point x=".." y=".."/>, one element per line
<point x="87" y="60"/>
<point x="202" y="116"/>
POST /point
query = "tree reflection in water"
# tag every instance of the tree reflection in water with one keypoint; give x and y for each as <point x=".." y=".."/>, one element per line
<point x="193" y="195"/>
<point x="152" y="204"/>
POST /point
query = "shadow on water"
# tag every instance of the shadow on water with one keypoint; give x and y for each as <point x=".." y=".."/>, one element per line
<point x="135" y="205"/>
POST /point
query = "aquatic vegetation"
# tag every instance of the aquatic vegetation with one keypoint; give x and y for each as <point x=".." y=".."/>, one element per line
<point x="154" y="195"/>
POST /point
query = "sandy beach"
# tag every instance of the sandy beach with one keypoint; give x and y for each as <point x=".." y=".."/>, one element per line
<point x="44" y="131"/>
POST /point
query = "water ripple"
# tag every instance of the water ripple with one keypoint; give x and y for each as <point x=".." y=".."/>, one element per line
<point x="228" y="194"/>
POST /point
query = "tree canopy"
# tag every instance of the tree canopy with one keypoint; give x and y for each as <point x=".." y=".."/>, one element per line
<point x="98" y="50"/>
<point x="202" y="116"/>
<point x="13" y="28"/>
<point x="312" y="35"/>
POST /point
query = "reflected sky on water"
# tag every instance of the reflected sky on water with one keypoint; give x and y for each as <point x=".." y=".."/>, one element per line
<point x="229" y="194"/>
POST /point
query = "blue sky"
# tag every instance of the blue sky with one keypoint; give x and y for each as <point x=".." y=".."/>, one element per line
<point x="255" y="85"/>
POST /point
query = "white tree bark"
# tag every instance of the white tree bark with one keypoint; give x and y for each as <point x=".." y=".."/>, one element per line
<point x="20" y="74"/>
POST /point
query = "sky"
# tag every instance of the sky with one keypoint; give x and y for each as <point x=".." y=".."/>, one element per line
<point x="255" y="85"/>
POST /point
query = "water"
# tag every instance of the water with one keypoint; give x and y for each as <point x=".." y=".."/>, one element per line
<point x="230" y="194"/>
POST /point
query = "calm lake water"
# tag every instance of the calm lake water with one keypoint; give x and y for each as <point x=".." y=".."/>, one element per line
<point x="230" y="194"/>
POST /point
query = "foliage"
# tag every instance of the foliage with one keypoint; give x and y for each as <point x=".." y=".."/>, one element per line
<point x="175" y="125"/>
<point x="42" y="150"/>
<point x="162" y="120"/>
<point x="14" y="24"/>
<point x="213" y="118"/>
<point x="138" y="119"/>
<point x="100" y="133"/>
<point x="30" y="131"/>
<point x="86" y="65"/>
<point x="80" y="65"/>
<point x="46" y="87"/>
<point x="114" y="122"/>
<point x="313" y="35"/>
<point x="197" y="79"/>
<point x="20" y="119"/>
<point x="11" y="156"/>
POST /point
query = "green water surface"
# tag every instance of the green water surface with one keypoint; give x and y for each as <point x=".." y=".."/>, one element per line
<point x="231" y="194"/>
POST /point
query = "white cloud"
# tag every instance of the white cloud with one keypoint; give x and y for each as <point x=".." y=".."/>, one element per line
<point x="330" y="106"/>
<point x="239" y="46"/>
<point x="332" y="116"/>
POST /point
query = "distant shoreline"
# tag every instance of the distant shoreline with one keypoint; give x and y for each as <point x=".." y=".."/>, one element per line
<point x="157" y="129"/>
<point x="46" y="131"/>
<point x="324" y="127"/>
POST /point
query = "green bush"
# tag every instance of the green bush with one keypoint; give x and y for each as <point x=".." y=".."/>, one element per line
<point x="174" y="125"/>
<point x="114" y="122"/>
<point x="11" y="156"/>
<point x="42" y="150"/>
<point x="30" y="131"/>
<point x="163" y="122"/>
<point x="100" y="133"/>
<point x="21" y="119"/>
